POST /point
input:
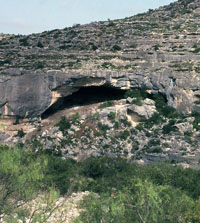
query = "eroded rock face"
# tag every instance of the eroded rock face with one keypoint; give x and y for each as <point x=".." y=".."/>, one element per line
<point x="30" y="94"/>
<point x="147" y="109"/>
<point x="159" y="50"/>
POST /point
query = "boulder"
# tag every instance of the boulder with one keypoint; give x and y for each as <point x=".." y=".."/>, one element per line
<point x="147" y="109"/>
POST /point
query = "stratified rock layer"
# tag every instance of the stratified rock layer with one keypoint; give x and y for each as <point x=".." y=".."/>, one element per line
<point x="158" y="50"/>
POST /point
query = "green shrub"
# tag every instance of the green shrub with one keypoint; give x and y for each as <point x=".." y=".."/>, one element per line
<point x="154" y="120"/>
<point x="112" y="116"/>
<point x="39" y="65"/>
<point x="188" y="133"/>
<point x="136" y="93"/>
<point x="111" y="23"/>
<point x="76" y="117"/>
<point x="103" y="127"/>
<point x="93" y="168"/>
<point x="196" y="122"/>
<point x="22" y="175"/>
<point x="116" y="125"/>
<point x="160" y="101"/>
<point x="197" y="50"/>
<point x="156" y="47"/>
<point x="141" y="201"/>
<point x="94" y="47"/>
<point x="140" y="127"/>
<point x="163" y="108"/>
<point x="169" y="127"/>
<point x="107" y="65"/>
<point x="154" y="142"/>
<point x="62" y="174"/>
<point x="116" y="48"/>
<point x="124" y="134"/>
<point x="137" y="101"/>
<point x="63" y="124"/>
<point x="156" y="150"/>
<point x="124" y="191"/>
<point x="106" y="104"/>
<point x="94" y="117"/>
<point x="133" y="46"/>
<point x="24" y="42"/>
<point x="54" y="150"/>
<point x="20" y="133"/>
<point x="40" y="45"/>
<point x="135" y="146"/>
<point x="105" y="173"/>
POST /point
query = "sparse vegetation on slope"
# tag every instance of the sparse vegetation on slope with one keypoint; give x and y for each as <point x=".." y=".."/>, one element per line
<point x="60" y="49"/>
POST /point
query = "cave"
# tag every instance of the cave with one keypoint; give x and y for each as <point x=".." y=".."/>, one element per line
<point x="85" y="96"/>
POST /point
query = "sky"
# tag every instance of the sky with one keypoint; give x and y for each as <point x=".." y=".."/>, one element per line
<point x="34" y="16"/>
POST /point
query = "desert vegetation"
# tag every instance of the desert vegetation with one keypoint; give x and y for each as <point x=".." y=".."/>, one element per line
<point x="119" y="191"/>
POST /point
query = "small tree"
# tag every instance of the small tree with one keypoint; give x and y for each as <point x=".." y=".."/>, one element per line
<point x="21" y="177"/>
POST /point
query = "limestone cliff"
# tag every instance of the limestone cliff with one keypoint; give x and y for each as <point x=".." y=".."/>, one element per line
<point x="159" y="49"/>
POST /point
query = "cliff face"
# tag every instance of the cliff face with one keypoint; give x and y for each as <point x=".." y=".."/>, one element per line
<point x="159" y="49"/>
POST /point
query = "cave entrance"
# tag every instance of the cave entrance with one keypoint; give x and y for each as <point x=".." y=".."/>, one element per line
<point x="85" y="96"/>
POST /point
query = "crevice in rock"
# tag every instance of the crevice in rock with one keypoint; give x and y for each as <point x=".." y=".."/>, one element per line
<point x="133" y="116"/>
<point x="85" y="96"/>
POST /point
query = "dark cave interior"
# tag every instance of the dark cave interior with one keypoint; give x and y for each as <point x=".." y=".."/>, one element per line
<point x="85" y="96"/>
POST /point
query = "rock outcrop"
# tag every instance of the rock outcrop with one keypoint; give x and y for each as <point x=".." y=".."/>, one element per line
<point x="147" y="109"/>
<point x="159" y="50"/>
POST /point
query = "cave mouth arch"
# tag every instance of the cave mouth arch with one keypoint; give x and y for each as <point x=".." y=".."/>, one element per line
<point x="85" y="96"/>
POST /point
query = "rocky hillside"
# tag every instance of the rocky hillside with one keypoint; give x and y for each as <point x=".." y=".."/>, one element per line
<point x="107" y="88"/>
<point x="158" y="49"/>
<point x="82" y="106"/>
<point x="137" y="128"/>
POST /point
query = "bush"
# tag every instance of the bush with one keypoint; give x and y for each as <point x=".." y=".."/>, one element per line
<point x="62" y="174"/>
<point x="140" y="127"/>
<point x="94" y="47"/>
<point x="76" y="117"/>
<point x="124" y="134"/>
<point x="63" y="124"/>
<point x="125" y="122"/>
<point x="197" y="50"/>
<point x="20" y="133"/>
<point x="136" y="93"/>
<point x="106" y="104"/>
<point x="116" y="48"/>
<point x="111" y="23"/>
<point x="154" y="142"/>
<point x="21" y="177"/>
<point x="103" y="127"/>
<point x="156" y="47"/>
<point x="39" y="65"/>
<point x="112" y="116"/>
<point x="163" y="108"/>
<point x="188" y="133"/>
<point x="154" y="120"/>
<point x="107" y="65"/>
<point x="169" y="127"/>
<point x="126" y="192"/>
<point x="24" y="42"/>
<point x="40" y="45"/>
<point x="196" y="122"/>
<point x="141" y="201"/>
